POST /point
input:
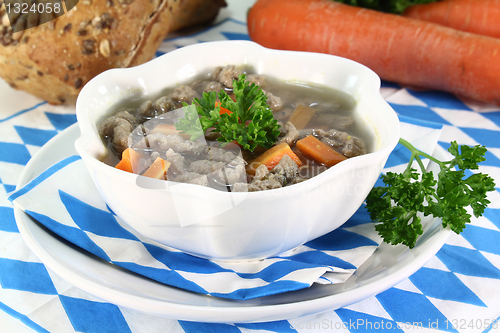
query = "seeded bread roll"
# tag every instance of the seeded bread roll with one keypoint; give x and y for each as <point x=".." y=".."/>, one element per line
<point x="54" y="60"/>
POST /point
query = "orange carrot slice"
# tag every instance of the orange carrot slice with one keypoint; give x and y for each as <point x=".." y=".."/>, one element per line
<point x="158" y="169"/>
<point x="130" y="161"/>
<point x="272" y="157"/>
<point x="319" y="152"/>
<point x="168" y="129"/>
<point x="301" y="116"/>
<point x="222" y="110"/>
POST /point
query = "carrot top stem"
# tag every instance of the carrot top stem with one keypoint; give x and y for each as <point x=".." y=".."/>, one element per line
<point x="388" y="6"/>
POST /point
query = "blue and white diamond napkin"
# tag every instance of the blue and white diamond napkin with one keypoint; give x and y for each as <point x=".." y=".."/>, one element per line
<point x="65" y="200"/>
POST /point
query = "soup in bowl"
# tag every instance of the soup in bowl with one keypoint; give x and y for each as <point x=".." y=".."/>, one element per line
<point x="231" y="151"/>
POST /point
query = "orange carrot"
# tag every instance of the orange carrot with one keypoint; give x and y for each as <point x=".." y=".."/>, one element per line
<point x="222" y="110"/>
<point x="318" y="151"/>
<point x="476" y="16"/>
<point x="168" y="129"/>
<point x="270" y="158"/>
<point x="301" y="116"/>
<point x="399" y="49"/>
<point x="130" y="161"/>
<point x="158" y="169"/>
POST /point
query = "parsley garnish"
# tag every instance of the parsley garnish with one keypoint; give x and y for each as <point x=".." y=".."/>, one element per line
<point x="250" y="121"/>
<point x="395" y="207"/>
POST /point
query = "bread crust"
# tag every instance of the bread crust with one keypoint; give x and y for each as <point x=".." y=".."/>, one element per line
<point x="55" y="60"/>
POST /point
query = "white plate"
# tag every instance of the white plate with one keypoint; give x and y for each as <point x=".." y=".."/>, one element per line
<point x="385" y="268"/>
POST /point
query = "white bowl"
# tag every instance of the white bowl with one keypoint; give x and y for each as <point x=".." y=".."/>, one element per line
<point x="237" y="225"/>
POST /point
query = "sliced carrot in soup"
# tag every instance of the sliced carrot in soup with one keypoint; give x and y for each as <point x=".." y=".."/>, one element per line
<point x="158" y="169"/>
<point x="301" y="116"/>
<point x="130" y="161"/>
<point x="270" y="158"/>
<point x="318" y="151"/>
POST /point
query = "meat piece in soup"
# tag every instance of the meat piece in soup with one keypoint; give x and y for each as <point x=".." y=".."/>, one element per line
<point x="151" y="128"/>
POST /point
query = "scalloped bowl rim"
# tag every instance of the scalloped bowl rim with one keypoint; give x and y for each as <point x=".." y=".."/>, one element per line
<point x="87" y="133"/>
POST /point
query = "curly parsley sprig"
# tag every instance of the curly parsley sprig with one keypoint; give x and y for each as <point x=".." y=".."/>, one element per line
<point x="395" y="207"/>
<point x="250" y="121"/>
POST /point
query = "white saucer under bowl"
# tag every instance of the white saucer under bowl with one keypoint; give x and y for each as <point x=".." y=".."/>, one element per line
<point x="385" y="268"/>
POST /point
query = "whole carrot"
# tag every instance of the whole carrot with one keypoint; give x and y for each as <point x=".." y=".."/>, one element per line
<point x="476" y="16"/>
<point x="398" y="49"/>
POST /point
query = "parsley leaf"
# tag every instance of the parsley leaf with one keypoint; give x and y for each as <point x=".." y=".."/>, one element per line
<point x="396" y="208"/>
<point x="191" y="123"/>
<point x="250" y="121"/>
